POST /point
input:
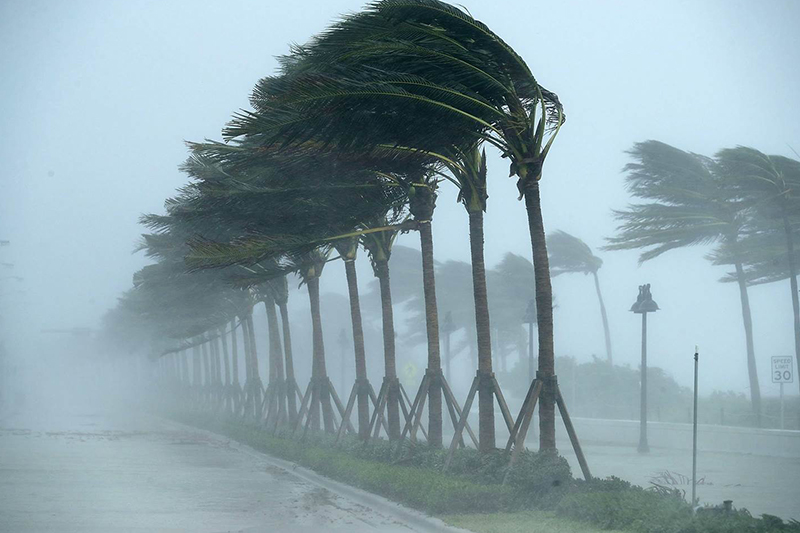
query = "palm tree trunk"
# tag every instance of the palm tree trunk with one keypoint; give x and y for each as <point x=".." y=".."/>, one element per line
<point x="793" y="284"/>
<point x="360" y="352"/>
<point x="235" y="369"/>
<point x="185" y="368"/>
<point x="432" y="330"/>
<point x="217" y="365"/>
<point x="206" y="367"/>
<point x="197" y="379"/>
<point x="287" y="348"/>
<point x="603" y="314"/>
<point x="389" y="355"/>
<point x="319" y="374"/>
<point x="486" y="437"/>
<point x="225" y="357"/>
<point x="544" y="315"/>
<point x="752" y="371"/>
<point x="234" y="354"/>
<point x="276" y="360"/>
<point x="254" y="365"/>
<point x="248" y="368"/>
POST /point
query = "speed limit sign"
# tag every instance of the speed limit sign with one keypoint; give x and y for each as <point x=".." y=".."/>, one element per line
<point x="782" y="369"/>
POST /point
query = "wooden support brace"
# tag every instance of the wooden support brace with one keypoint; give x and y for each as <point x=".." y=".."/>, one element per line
<point x="573" y="437"/>
<point x="405" y="405"/>
<point x="514" y="430"/>
<point x="462" y="421"/>
<point x="340" y="408"/>
<point x="303" y="407"/>
<point x="415" y="407"/>
<point x="501" y="401"/>
<point x="375" y="407"/>
<point x="377" y="402"/>
<point x="452" y="399"/>
<point x="351" y="401"/>
<point x="519" y="442"/>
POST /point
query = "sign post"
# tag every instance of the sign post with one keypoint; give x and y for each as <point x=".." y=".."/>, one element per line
<point x="694" y="430"/>
<point x="782" y="372"/>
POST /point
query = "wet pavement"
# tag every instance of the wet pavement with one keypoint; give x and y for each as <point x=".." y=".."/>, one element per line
<point x="102" y="472"/>
<point x="758" y="483"/>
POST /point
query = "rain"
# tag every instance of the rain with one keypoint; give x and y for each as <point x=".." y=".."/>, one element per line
<point x="402" y="265"/>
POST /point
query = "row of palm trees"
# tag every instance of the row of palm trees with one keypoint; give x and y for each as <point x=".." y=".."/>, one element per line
<point x="345" y="147"/>
<point x="745" y="202"/>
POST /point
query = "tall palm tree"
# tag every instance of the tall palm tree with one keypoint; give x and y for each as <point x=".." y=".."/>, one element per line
<point x="569" y="254"/>
<point x="381" y="77"/>
<point x="379" y="247"/>
<point x="689" y="203"/>
<point x="348" y="249"/>
<point x="771" y="185"/>
<point x="511" y="286"/>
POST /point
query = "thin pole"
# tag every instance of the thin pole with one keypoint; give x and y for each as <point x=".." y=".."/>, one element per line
<point x="782" y="427"/>
<point x="643" y="446"/>
<point x="694" y="432"/>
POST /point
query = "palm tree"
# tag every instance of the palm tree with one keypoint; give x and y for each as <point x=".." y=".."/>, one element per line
<point x="380" y="78"/>
<point x="511" y="286"/>
<point x="771" y="185"/>
<point x="569" y="254"/>
<point x="348" y="248"/>
<point x="690" y="203"/>
<point x="379" y="248"/>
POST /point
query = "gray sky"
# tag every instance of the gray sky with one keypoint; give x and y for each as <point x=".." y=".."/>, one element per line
<point x="96" y="99"/>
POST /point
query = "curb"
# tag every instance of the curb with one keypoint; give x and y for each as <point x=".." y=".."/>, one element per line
<point x="415" y="518"/>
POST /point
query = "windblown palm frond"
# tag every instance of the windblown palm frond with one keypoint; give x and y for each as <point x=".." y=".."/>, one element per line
<point x="569" y="254"/>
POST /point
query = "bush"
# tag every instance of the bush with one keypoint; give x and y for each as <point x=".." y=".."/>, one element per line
<point x="411" y="473"/>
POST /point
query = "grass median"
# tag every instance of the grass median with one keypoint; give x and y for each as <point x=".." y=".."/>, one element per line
<point x="540" y="494"/>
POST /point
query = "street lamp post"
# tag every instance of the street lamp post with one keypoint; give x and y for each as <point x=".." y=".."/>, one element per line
<point x="447" y="329"/>
<point x="644" y="304"/>
<point x="530" y="319"/>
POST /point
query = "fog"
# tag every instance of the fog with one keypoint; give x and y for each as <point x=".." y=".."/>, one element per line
<point x="97" y="99"/>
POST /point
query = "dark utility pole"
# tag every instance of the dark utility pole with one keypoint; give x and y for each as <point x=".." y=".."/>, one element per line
<point x="644" y="304"/>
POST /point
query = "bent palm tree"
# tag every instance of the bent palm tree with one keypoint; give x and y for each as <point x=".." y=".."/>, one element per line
<point x="381" y="77"/>
<point x="771" y="184"/>
<point x="690" y="204"/>
<point x="569" y="254"/>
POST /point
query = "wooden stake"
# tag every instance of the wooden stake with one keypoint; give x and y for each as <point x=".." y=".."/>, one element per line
<point x="519" y="442"/>
<point x="461" y="422"/>
<point x="573" y="437"/>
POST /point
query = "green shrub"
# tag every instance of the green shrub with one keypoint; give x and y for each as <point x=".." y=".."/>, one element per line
<point x="411" y="473"/>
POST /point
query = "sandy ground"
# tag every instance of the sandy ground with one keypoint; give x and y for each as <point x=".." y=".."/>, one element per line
<point x="95" y="472"/>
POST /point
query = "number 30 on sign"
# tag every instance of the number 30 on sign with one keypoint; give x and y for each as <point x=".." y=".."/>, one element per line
<point x="782" y="370"/>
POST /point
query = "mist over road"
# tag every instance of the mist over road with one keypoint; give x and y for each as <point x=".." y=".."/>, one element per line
<point x="99" y="471"/>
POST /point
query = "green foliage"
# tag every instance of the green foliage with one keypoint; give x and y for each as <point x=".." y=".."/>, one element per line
<point x="412" y="474"/>
<point x="569" y="254"/>
<point x="616" y="504"/>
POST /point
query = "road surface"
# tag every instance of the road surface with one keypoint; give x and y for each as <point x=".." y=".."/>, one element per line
<point x="101" y="472"/>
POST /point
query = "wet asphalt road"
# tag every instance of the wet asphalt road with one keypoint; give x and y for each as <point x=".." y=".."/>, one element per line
<point x="97" y="472"/>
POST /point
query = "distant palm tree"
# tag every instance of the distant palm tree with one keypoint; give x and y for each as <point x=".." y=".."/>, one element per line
<point x="771" y="185"/>
<point x="689" y="203"/>
<point x="569" y="255"/>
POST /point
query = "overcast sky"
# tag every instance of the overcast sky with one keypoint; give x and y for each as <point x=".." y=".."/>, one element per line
<point x="97" y="98"/>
